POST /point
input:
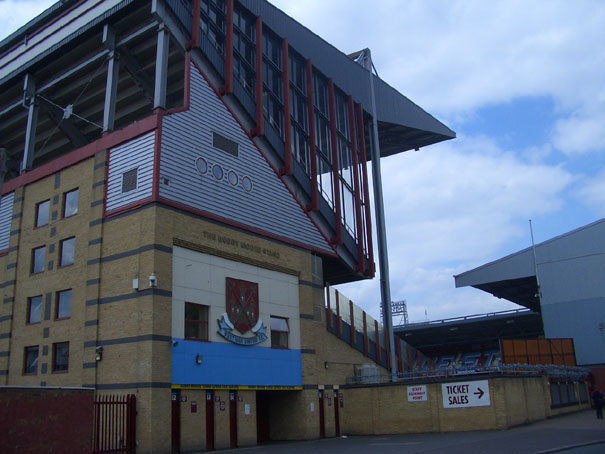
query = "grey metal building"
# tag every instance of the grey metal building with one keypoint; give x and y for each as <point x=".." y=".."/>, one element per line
<point x="572" y="301"/>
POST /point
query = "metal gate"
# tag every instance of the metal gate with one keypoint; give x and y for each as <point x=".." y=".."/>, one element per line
<point x="114" y="429"/>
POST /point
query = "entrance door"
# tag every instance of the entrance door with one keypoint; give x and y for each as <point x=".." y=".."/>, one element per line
<point x="322" y="421"/>
<point x="336" y="415"/>
<point x="209" y="420"/>
<point x="176" y="421"/>
<point x="263" y="432"/>
<point x="233" y="419"/>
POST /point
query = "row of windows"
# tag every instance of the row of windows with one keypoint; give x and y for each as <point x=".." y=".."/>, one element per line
<point x="196" y="326"/>
<point x="60" y="358"/>
<point x="67" y="248"/>
<point x="70" y="208"/>
<point x="245" y="43"/>
<point x="62" y="307"/>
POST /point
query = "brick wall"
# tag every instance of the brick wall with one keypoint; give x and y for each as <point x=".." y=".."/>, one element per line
<point x="45" y="421"/>
<point x="374" y="410"/>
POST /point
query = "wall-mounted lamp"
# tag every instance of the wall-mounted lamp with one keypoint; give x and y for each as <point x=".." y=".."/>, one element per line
<point x="153" y="281"/>
<point x="199" y="359"/>
<point x="98" y="353"/>
<point x="326" y="364"/>
<point x="175" y="343"/>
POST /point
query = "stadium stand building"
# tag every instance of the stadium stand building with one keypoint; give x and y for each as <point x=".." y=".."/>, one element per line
<point x="181" y="180"/>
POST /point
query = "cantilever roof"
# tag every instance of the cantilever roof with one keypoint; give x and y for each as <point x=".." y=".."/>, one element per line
<point x="514" y="277"/>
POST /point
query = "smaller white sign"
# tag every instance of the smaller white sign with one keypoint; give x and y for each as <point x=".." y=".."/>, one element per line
<point x="466" y="394"/>
<point x="246" y="409"/>
<point x="312" y="407"/>
<point x="417" y="393"/>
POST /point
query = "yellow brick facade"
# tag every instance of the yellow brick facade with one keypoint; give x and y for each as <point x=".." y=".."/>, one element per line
<point x="133" y="326"/>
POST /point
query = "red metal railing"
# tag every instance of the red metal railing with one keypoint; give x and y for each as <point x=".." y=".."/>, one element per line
<point x="114" y="425"/>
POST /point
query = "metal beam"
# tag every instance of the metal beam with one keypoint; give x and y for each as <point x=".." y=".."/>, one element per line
<point x="111" y="87"/>
<point x="63" y="122"/>
<point x="29" y="101"/>
<point x="136" y="71"/>
<point x="381" y="233"/>
<point x="161" y="67"/>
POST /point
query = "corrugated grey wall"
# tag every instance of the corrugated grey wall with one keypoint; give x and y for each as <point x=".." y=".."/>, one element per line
<point x="136" y="154"/>
<point x="6" y="215"/>
<point x="244" y="189"/>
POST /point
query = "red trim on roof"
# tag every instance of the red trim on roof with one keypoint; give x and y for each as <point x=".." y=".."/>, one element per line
<point x="312" y="146"/>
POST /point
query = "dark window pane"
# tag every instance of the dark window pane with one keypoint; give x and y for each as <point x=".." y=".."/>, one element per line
<point x="38" y="257"/>
<point x="42" y="213"/>
<point x="67" y="251"/>
<point x="196" y="321"/>
<point x="31" y="360"/>
<point x="70" y="203"/>
<point x="61" y="356"/>
<point x="34" y="314"/>
<point x="64" y="304"/>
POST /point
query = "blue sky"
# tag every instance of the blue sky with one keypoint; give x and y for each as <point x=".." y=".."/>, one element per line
<point x="520" y="82"/>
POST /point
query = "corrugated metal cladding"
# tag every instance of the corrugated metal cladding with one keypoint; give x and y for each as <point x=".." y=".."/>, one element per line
<point x="136" y="154"/>
<point x="244" y="189"/>
<point x="6" y="216"/>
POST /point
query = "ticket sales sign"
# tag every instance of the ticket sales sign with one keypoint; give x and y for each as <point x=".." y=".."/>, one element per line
<point x="466" y="394"/>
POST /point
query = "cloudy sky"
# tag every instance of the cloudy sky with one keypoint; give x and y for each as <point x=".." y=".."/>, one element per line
<point x="520" y="82"/>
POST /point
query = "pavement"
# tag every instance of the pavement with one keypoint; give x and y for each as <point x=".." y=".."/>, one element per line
<point x="576" y="433"/>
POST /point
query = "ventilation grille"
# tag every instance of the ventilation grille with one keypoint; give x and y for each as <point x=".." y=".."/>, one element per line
<point x="129" y="180"/>
<point x="224" y="144"/>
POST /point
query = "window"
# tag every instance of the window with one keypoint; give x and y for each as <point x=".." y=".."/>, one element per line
<point x="61" y="357"/>
<point x="38" y="257"/>
<point x="196" y="321"/>
<point x="42" y="213"/>
<point x="279" y="332"/>
<point x="68" y="247"/>
<point x="129" y="180"/>
<point x="30" y="365"/>
<point x="34" y="309"/>
<point x="70" y="203"/>
<point x="63" y="304"/>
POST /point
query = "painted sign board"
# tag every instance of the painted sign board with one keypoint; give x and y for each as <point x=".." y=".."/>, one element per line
<point x="466" y="394"/>
<point x="417" y="393"/>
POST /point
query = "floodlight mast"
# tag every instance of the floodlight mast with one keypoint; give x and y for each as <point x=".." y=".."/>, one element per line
<point x="364" y="57"/>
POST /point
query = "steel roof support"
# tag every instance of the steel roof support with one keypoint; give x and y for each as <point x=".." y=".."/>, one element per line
<point x="161" y="67"/>
<point x="111" y="89"/>
<point x="381" y="233"/>
<point x="30" y="101"/>
<point x="66" y="125"/>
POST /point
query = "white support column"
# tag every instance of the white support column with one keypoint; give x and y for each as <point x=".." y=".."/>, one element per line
<point x="161" y="67"/>
<point x="113" y="71"/>
<point x="29" y="101"/>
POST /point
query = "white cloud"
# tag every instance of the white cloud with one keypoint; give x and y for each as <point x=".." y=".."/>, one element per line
<point x="592" y="193"/>
<point x="16" y="13"/>
<point x="453" y="57"/>
<point x="453" y="207"/>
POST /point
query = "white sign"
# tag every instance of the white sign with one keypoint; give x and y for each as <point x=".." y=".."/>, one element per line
<point x="417" y="393"/>
<point x="466" y="394"/>
<point x="246" y="409"/>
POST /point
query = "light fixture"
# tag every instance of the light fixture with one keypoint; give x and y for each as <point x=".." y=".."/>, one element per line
<point x="175" y="343"/>
<point x="153" y="281"/>
<point x="198" y="359"/>
<point x="326" y="364"/>
<point x="98" y="353"/>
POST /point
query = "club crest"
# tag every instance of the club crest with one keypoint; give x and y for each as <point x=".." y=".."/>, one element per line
<point x="242" y="313"/>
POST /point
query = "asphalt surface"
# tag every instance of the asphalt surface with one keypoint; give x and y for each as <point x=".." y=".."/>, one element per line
<point x="576" y="433"/>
